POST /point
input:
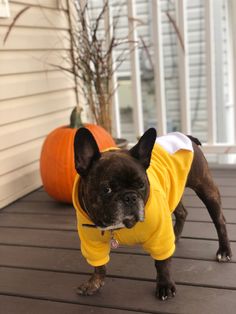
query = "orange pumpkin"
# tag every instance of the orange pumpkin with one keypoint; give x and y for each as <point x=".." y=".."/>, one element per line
<point x="57" y="159"/>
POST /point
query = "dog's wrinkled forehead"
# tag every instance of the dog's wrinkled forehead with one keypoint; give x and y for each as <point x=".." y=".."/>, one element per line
<point x="116" y="156"/>
<point x="118" y="164"/>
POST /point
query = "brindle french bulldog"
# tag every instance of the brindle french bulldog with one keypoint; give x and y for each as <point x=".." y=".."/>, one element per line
<point x="112" y="198"/>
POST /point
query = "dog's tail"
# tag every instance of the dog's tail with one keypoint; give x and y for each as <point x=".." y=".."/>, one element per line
<point x="195" y="140"/>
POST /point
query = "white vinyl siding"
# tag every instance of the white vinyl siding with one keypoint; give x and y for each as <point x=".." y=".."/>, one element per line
<point x="35" y="95"/>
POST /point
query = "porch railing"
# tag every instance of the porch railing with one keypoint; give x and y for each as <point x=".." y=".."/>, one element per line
<point x="211" y="146"/>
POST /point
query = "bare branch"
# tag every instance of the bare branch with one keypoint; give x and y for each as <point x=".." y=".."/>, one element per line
<point x="147" y="52"/>
<point x="173" y="22"/>
<point x="14" y="22"/>
<point x="93" y="60"/>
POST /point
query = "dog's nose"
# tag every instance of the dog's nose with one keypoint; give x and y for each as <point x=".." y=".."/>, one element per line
<point x="130" y="198"/>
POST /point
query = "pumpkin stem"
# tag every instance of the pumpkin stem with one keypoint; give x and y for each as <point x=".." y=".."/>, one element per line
<point x="75" y="118"/>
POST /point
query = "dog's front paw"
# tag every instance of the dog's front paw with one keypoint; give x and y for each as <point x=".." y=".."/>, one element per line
<point x="90" y="287"/>
<point x="224" y="253"/>
<point x="165" y="290"/>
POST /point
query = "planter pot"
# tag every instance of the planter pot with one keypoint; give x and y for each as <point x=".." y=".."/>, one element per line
<point x="121" y="143"/>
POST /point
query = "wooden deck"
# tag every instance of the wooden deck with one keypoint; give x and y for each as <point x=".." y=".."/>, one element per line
<point x="41" y="263"/>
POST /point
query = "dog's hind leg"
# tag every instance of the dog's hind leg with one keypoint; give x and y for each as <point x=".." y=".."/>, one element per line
<point x="210" y="196"/>
<point x="200" y="180"/>
<point x="180" y="217"/>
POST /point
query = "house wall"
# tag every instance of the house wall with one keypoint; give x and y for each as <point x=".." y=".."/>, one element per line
<point x="35" y="95"/>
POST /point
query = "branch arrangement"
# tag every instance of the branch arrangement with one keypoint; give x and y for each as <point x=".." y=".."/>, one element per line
<point x="93" y="61"/>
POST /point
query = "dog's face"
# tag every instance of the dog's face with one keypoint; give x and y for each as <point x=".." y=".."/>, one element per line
<point x="114" y="185"/>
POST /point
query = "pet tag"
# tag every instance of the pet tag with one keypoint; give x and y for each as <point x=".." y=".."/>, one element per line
<point x="114" y="243"/>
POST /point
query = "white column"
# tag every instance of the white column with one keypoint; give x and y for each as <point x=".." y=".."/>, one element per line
<point x="234" y="53"/>
<point x="210" y="71"/>
<point x="183" y="58"/>
<point x="232" y="69"/>
<point x="159" y="67"/>
<point x="113" y="85"/>
<point x="135" y="69"/>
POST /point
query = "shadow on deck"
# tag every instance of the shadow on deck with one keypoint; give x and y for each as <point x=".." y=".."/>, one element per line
<point x="41" y="264"/>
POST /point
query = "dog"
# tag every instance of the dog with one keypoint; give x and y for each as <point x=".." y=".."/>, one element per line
<point x="128" y="196"/>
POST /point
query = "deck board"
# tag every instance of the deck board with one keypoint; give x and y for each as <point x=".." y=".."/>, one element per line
<point x="204" y="273"/>
<point x="41" y="263"/>
<point x="23" y="304"/>
<point x="186" y="248"/>
<point x="118" y="293"/>
<point x="228" y="202"/>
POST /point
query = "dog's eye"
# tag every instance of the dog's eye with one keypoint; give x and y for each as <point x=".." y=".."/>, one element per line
<point x="107" y="190"/>
<point x="140" y="185"/>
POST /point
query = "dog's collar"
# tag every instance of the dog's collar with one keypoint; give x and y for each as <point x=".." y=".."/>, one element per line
<point x="113" y="242"/>
<point x="110" y="228"/>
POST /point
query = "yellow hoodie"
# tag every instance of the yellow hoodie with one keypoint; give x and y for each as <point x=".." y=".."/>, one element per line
<point x="167" y="176"/>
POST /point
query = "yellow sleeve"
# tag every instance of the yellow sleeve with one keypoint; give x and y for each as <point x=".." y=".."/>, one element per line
<point x="94" y="247"/>
<point x="161" y="244"/>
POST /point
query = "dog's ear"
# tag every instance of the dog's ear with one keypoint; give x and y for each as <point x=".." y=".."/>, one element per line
<point x="85" y="151"/>
<point x="143" y="149"/>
